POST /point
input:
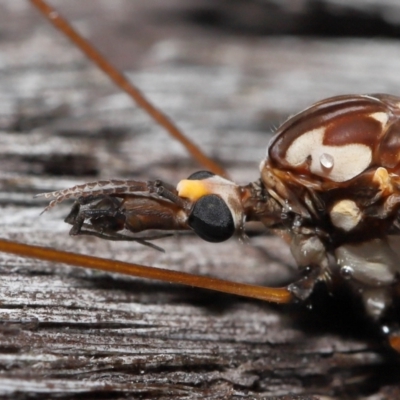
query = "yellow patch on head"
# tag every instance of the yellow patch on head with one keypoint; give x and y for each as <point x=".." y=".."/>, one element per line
<point x="192" y="190"/>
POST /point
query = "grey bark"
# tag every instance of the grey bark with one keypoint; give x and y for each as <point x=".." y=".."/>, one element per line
<point x="72" y="333"/>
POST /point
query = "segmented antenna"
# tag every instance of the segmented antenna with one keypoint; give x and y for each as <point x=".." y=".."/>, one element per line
<point x="106" y="187"/>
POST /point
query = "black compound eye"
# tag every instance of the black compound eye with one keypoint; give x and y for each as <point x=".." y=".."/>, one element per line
<point x="199" y="175"/>
<point x="211" y="219"/>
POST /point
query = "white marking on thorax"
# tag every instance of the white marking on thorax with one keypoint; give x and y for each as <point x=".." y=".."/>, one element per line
<point x="338" y="163"/>
<point x="345" y="215"/>
<point x="381" y="117"/>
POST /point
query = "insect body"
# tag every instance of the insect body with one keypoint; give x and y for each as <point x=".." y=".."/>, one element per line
<point x="334" y="170"/>
<point x="330" y="183"/>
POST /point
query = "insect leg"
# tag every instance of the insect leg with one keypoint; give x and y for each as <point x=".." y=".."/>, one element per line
<point x="275" y="295"/>
<point x="303" y="288"/>
<point x="166" y="191"/>
<point x="393" y="337"/>
<point x="122" y="82"/>
<point x="87" y="229"/>
<point x="96" y="207"/>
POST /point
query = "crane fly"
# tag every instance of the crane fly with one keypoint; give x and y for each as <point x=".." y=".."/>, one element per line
<point x="331" y="173"/>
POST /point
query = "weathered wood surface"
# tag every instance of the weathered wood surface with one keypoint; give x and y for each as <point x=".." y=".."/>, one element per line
<point x="72" y="333"/>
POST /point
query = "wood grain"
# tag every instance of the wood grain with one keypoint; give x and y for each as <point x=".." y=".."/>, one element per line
<point x="72" y="333"/>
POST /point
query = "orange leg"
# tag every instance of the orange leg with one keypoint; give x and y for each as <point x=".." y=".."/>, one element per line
<point x="394" y="341"/>
<point x="121" y="81"/>
<point x="275" y="295"/>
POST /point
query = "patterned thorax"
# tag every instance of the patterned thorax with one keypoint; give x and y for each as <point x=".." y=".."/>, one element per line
<point x="335" y="171"/>
<point x="339" y="138"/>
